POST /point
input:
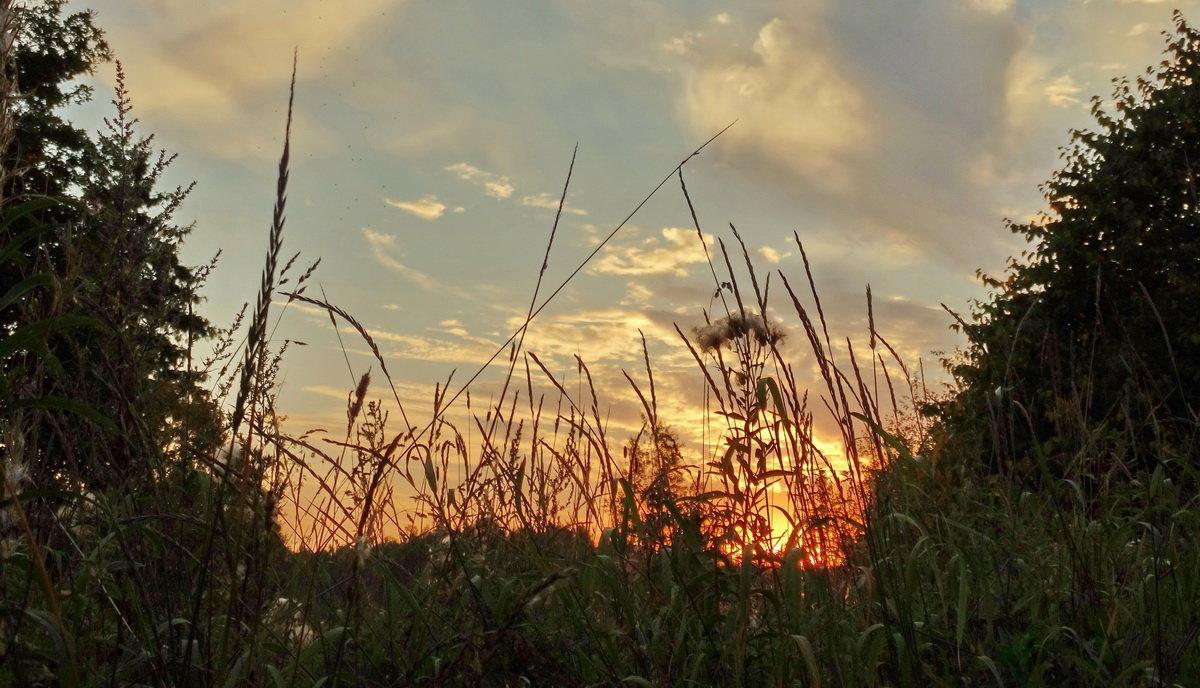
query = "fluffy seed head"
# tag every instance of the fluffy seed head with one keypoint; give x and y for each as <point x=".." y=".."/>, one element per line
<point x="724" y="330"/>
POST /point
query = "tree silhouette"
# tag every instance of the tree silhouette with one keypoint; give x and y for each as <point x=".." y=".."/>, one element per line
<point x="107" y="253"/>
<point x="1091" y="344"/>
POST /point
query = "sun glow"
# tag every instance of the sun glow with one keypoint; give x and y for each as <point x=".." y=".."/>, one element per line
<point x="815" y="547"/>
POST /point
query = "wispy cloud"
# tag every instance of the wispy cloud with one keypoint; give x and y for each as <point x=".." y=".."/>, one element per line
<point x="494" y="185"/>
<point x="682" y="45"/>
<point x="545" y="200"/>
<point x="451" y="326"/>
<point x="992" y="6"/>
<point x="1062" y="92"/>
<point x="383" y="247"/>
<point x="501" y="187"/>
<point x="637" y="294"/>
<point x="426" y="207"/>
<point x="455" y="348"/>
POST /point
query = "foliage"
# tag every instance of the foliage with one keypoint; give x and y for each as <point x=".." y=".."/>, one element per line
<point x="51" y="50"/>
<point x="1090" y="345"/>
<point x="107" y="253"/>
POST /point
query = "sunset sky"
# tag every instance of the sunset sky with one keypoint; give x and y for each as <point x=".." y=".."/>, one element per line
<point x="432" y="140"/>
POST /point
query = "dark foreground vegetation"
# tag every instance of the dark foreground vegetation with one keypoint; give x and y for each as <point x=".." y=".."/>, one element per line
<point x="1035" y="526"/>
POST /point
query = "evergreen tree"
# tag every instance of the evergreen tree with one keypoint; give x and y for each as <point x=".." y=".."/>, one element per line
<point x="112" y="250"/>
<point x="1091" y="345"/>
<point x="50" y="52"/>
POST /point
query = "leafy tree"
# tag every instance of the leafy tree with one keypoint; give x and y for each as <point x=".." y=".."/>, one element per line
<point x="112" y="251"/>
<point x="1091" y="344"/>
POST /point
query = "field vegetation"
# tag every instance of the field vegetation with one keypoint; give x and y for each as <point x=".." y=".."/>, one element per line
<point x="1034" y="525"/>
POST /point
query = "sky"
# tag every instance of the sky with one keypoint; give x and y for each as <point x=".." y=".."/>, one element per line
<point x="432" y="140"/>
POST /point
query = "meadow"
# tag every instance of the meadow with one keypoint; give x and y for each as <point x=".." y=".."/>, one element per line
<point x="1017" y="530"/>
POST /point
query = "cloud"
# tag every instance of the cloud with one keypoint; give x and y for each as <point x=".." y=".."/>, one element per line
<point x="796" y="105"/>
<point x="771" y="255"/>
<point x="992" y="6"/>
<point x="466" y="171"/>
<point x="682" y="45"/>
<point x="545" y="200"/>
<point x="382" y="247"/>
<point x="494" y="185"/>
<point x="636" y="294"/>
<point x="1106" y="40"/>
<point x="451" y="326"/>
<point x="498" y="189"/>
<point x="426" y="207"/>
<point x="457" y="348"/>
<point x="873" y="116"/>
<point x="501" y="187"/>
<point x="673" y="254"/>
<point x="598" y="335"/>
<point x="1062" y="91"/>
<point x="208" y="71"/>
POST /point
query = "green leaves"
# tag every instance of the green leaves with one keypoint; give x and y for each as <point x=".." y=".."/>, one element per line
<point x="1094" y="326"/>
